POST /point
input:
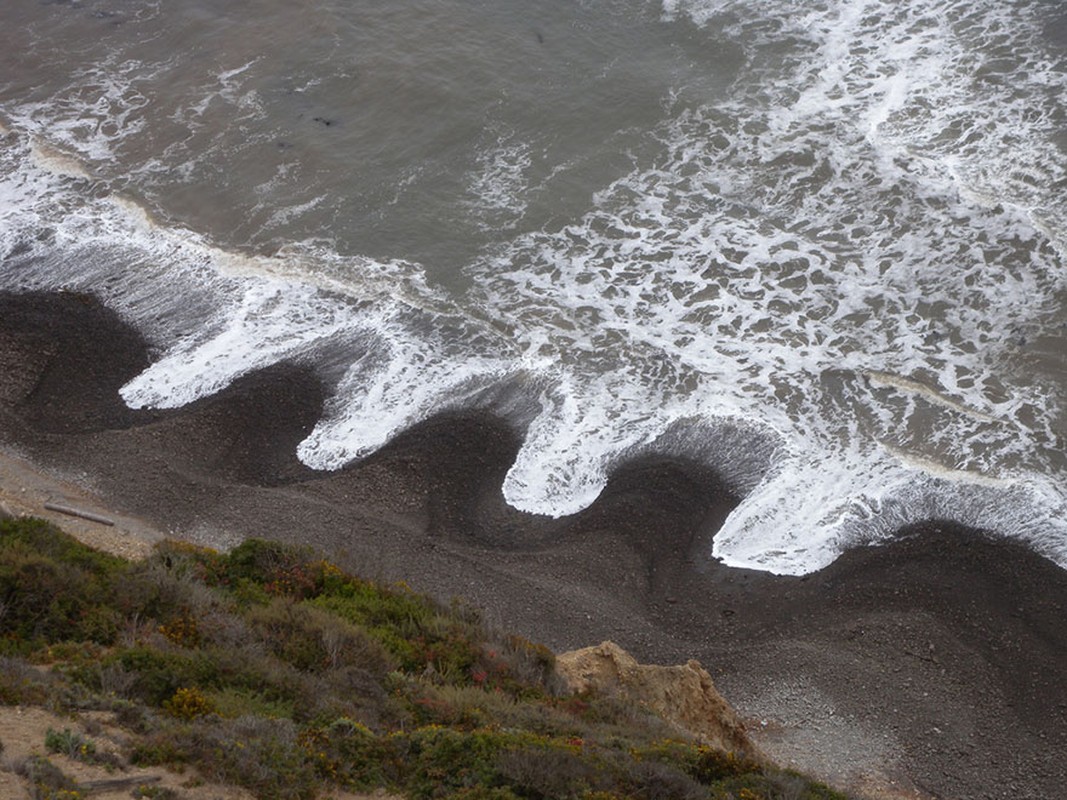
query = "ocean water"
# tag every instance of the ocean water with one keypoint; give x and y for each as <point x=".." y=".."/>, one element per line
<point x="818" y="245"/>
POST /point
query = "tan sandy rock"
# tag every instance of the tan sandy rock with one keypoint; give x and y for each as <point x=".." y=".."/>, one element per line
<point x="684" y="695"/>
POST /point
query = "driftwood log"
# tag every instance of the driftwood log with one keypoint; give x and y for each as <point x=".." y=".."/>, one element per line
<point x="77" y="512"/>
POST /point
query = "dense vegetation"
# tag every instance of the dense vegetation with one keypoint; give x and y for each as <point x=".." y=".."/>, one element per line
<point x="272" y="669"/>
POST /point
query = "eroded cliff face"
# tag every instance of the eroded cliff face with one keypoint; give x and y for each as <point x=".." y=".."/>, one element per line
<point x="684" y="695"/>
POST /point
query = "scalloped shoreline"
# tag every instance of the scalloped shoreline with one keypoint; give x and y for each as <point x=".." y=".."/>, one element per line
<point x="931" y="666"/>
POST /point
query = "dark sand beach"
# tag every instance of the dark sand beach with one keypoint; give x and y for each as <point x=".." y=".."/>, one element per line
<point x="934" y="666"/>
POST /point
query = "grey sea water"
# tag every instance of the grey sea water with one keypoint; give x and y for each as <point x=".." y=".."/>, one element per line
<point x="816" y="245"/>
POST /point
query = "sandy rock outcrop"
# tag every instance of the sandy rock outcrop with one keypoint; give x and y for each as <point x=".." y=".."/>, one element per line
<point x="684" y="695"/>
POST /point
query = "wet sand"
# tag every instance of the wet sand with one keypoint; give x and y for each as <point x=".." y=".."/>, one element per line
<point x="934" y="666"/>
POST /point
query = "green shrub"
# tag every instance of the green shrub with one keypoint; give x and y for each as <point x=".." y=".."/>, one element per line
<point x="231" y="702"/>
<point x="707" y="765"/>
<point x="261" y="755"/>
<point x="75" y="746"/>
<point x="400" y="615"/>
<point x="430" y="708"/>
<point x="134" y="717"/>
<point x="311" y="638"/>
<point x="613" y="718"/>
<point x="22" y="683"/>
<point x="182" y="630"/>
<point x="549" y="772"/>
<point x="532" y="663"/>
<point x="348" y="692"/>
<point x="773" y="784"/>
<point x="441" y="761"/>
<point x="248" y="593"/>
<point x="184" y="559"/>
<point x="71" y="744"/>
<point x="349" y="754"/>
<point x="420" y="639"/>
<point x="53" y="589"/>
<point x="281" y="569"/>
<point x="158" y="674"/>
<point x="160" y="746"/>
<point x="42" y="537"/>
<point x="187" y="704"/>
<point x="652" y="780"/>
<point x="47" y="781"/>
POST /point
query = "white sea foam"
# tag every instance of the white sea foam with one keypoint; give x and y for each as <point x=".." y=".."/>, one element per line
<point x="387" y="390"/>
<point x="497" y="190"/>
<point x="806" y="285"/>
<point x="219" y="314"/>
<point x="811" y="230"/>
<point x="101" y="109"/>
<point x="281" y="319"/>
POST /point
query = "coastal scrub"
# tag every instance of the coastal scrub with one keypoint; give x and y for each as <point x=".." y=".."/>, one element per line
<point x="271" y="669"/>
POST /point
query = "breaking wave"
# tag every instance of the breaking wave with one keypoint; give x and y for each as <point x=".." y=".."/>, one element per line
<point x="819" y="285"/>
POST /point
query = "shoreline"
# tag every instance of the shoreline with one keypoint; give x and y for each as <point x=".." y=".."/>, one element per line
<point x="932" y="666"/>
